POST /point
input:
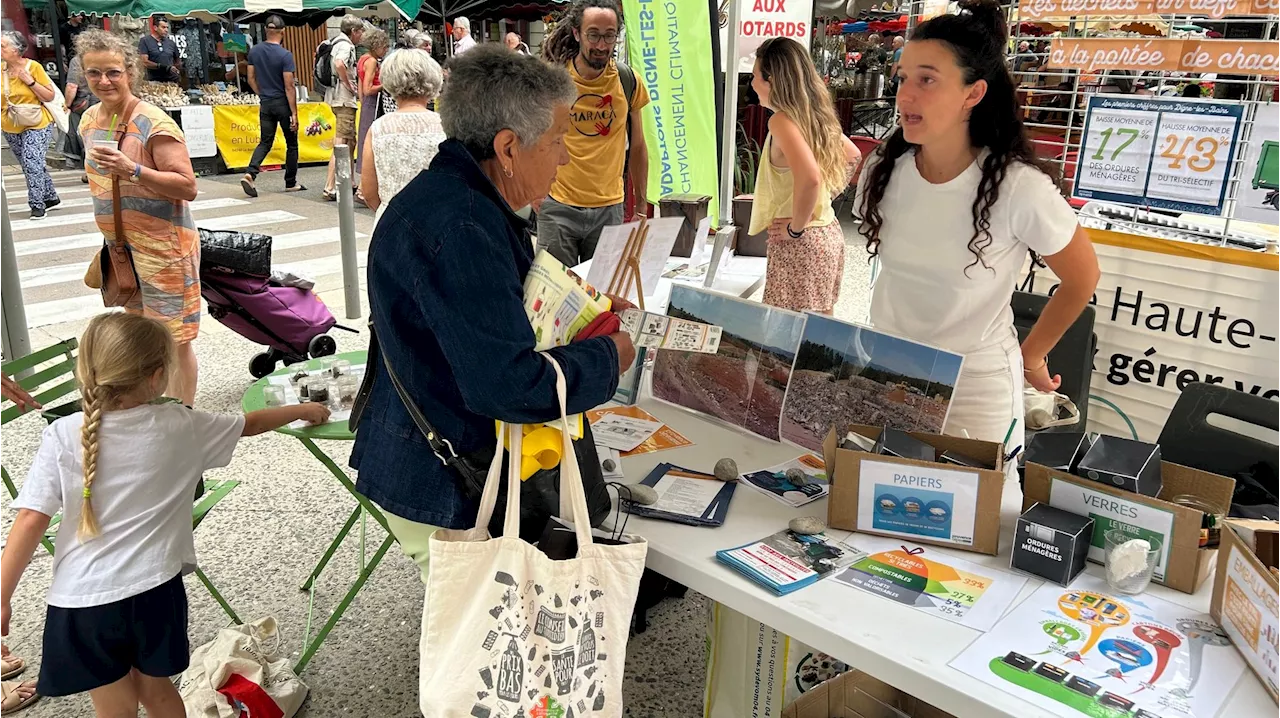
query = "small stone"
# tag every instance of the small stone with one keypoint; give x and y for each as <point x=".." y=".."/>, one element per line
<point x="807" y="525"/>
<point x="609" y="465"/>
<point x="643" y="495"/>
<point x="727" y="470"/>
<point x="797" y="477"/>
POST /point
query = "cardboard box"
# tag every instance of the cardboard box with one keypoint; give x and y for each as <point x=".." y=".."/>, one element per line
<point x="1051" y="543"/>
<point x="857" y="695"/>
<point x="1183" y="565"/>
<point x="1246" y="594"/>
<point x="1124" y="463"/>
<point x="921" y="501"/>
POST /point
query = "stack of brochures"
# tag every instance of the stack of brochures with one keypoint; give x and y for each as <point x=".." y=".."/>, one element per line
<point x="788" y="561"/>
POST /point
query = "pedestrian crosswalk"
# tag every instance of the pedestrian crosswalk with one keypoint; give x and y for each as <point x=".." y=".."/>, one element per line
<point x="53" y="252"/>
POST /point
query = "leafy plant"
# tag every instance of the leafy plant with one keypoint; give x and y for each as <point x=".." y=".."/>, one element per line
<point x="746" y="162"/>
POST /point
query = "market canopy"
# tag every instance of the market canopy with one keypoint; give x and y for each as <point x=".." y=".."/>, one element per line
<point x="147" y="8"/>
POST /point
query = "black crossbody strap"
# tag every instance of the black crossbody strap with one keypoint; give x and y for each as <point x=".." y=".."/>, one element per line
<point x="440" y="446"/>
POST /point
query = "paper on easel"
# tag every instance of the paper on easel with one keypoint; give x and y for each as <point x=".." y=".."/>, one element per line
<point x="658" y="331"/>
<point x="699" y="253"/>
<point x="613" y="240"/>
<point x="663" y="232"/>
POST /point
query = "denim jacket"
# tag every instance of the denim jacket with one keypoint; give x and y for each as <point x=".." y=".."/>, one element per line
<point x="446" y="271"/>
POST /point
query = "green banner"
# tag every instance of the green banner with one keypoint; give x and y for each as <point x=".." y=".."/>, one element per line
<point x="669" y="45"/>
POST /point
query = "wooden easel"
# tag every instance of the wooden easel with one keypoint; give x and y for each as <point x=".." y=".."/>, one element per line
<point x="627" y="273"/>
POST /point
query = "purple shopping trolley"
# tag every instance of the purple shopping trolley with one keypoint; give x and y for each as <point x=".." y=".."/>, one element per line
<point x="289" y="321"/>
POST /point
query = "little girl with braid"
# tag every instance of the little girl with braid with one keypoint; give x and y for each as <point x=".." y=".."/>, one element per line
<point x="122" y="472"/>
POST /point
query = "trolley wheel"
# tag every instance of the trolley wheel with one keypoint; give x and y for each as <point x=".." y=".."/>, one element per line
<point x="262" y="365"/>
<point x="321" y="345"/>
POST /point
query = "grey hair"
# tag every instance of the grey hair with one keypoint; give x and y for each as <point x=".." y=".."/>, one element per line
<point x="349" y="24"/>
<point x="463" y="23"/>
<point x="410" y="72"/>
<point x="16" y="39"/>
<point x="492" y="89"/>
<point x="375" y="38"/>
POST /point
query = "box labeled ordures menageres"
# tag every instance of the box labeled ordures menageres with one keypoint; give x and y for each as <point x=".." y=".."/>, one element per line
<point x="1051" y="543"/>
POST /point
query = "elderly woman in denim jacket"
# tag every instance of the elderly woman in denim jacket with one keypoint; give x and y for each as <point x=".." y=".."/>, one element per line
<point x="446" y="269"/>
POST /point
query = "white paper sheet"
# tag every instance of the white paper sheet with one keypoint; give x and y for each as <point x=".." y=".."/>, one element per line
<point x="657" y="249"/>
<point x="613" y="239"/>
<point x="623" y="433"/>
<point x="931" y="580"/>
<point x="686" y="497"/>
<point x="1085" y="650"/>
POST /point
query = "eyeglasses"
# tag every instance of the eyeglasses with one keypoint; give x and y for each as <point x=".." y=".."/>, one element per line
<point x="97" y="75"/>
<point x="596" y="39"/>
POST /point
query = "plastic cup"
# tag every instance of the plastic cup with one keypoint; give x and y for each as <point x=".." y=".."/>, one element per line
<point x="318" y="390"/>
<point x="1125" y="573"/>
<point x="345" y="389"/>
<point x="107" y="144"/>
<point x="274" y="395"/>
<point x="340" y="367"/>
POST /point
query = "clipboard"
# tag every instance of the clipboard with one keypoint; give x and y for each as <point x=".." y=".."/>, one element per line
<point x="713" y="516"/>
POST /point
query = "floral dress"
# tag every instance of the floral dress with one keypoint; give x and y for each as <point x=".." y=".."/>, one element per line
<point x="158" y="230"/>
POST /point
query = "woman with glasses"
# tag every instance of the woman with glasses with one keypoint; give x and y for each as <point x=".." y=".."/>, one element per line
<point x="156" y="183"/>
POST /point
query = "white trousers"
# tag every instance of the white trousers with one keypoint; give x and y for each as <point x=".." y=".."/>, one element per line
<point x="988" y="396"/>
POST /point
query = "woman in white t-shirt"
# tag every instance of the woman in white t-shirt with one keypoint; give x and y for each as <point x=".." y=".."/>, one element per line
<point x="122" y="472"/>
<point x="951" y="204"/>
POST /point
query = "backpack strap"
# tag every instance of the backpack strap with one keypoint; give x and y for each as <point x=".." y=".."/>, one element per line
<point x="628" y="78"/>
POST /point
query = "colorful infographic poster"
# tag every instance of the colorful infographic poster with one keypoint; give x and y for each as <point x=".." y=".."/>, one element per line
<point x="1085" y="650"/>
<point x="932" y="580"/>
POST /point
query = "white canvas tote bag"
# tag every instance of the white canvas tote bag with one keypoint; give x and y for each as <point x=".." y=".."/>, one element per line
<point x="506" y="630"/>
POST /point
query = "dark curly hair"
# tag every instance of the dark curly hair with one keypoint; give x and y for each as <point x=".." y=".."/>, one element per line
<point x="977" y="37"/>
<point x="561" y="46"/>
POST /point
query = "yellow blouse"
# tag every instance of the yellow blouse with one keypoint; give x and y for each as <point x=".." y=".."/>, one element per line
<point x="17" y="92"/>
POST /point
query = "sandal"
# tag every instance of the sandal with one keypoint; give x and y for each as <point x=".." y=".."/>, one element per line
<point x="295" y="188"/>
<point x="329" y="195"/>
<point x="11" y="667"/>
<point x="11" y="698"/>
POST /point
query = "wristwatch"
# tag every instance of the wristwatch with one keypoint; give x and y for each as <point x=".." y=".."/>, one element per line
<point x="137" y="170"/>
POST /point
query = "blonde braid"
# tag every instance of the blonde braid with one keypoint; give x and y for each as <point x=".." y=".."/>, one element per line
<point x="92" y="404"/>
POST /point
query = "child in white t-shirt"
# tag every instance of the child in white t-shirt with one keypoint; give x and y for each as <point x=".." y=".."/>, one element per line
<point x="122" y="472"/>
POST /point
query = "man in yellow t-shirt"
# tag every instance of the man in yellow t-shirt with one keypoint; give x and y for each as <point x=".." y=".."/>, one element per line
<point x="587" y="194"/>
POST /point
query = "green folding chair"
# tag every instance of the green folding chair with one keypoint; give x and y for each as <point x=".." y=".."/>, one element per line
<point x="50" y="378"/>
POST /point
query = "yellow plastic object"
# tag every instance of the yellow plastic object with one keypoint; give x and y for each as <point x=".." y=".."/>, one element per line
<point x="541" y="449"/>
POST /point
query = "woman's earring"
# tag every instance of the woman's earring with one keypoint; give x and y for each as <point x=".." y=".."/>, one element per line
<point x="506" y="170"/>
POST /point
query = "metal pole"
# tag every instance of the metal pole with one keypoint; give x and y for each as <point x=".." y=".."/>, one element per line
<point x="347" y="231"/>
<point x="729" y="138"/>
<point x="13" y="314"/>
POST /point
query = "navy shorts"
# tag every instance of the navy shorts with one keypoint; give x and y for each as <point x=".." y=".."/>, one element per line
<point x="88" y="648"/>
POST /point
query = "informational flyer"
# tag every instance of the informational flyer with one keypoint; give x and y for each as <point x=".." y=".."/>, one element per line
<point x="661" y="440"/>
<point x="557" y="302"/>
<point x="658" y="331"/>
<point x="931" y="581"/>
<point x="1248" y="614"/>
<point x="1084" y="650"/>
<point x="623" y="433"/>
<point x="1161" y="153"/>
<point x="918" y="501"/>
<point x="1111" y="512"/>
<point x="775" y="483"/>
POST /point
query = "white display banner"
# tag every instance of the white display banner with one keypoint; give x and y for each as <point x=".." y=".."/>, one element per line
<point x="759" y="20"/>
<point x="1171" y="313"/>
<point x="1258" y="198"/>
<point x="197" y="126"/>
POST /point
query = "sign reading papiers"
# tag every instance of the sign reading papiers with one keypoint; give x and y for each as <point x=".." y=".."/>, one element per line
<point x="1169" y="154"/>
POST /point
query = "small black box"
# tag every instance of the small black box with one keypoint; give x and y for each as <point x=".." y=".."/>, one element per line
<point x="1123" y="463"/>
<point x="1061" y="451"/>
<point x="894" y="442"/>
<point x="1051" y="543"/>
<point x="952" y="457"/>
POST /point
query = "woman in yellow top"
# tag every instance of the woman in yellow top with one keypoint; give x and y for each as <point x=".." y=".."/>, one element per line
<point x="805" y="161"/>
<point x="27" y="125"/>
<point x="156" y="183"/>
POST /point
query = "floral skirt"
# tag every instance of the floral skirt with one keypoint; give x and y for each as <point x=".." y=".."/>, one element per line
<point x="804" y="273"/>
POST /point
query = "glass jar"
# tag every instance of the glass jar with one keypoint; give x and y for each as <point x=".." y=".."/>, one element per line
<point x="345" y="389"/>
<point x="274" y="395"/>
<point x="1130" y="560"/>
<point x="1210" y="523"/>
<point x="318" y="390"/>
